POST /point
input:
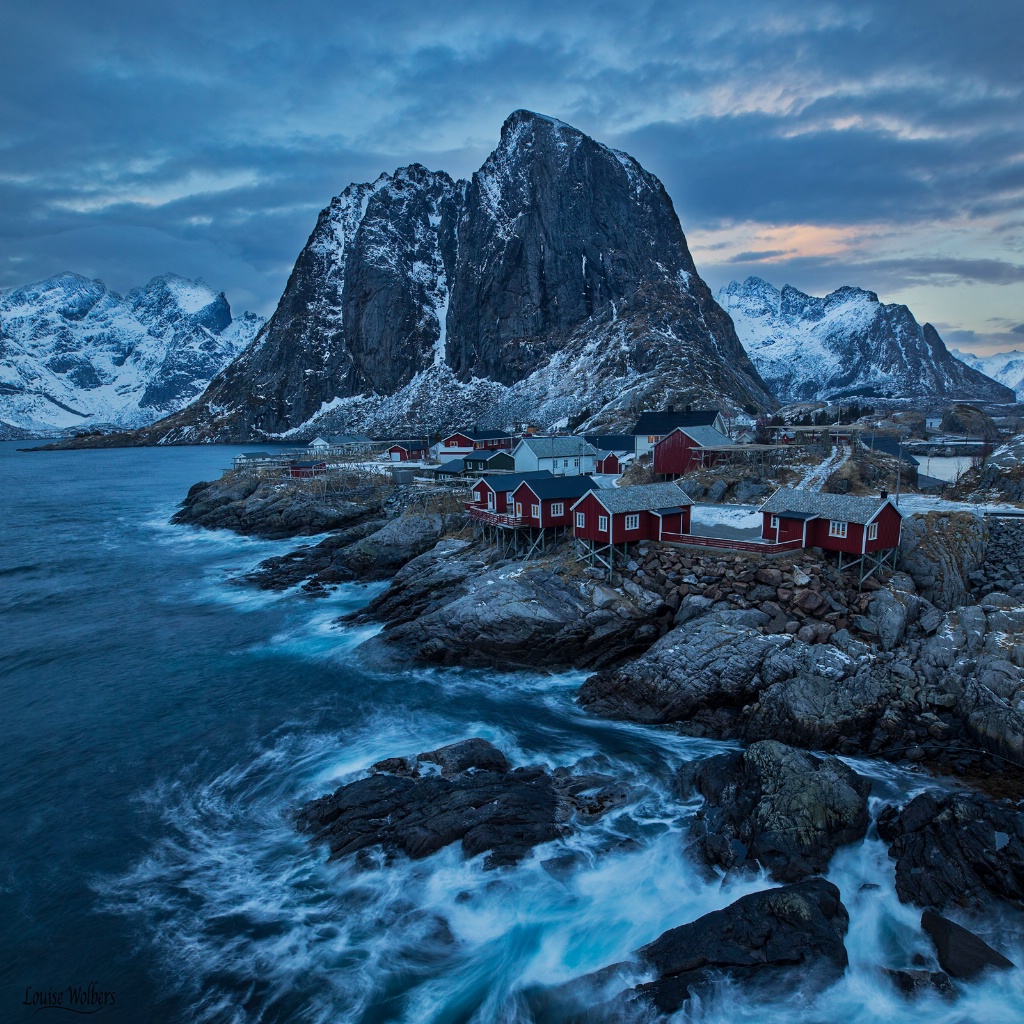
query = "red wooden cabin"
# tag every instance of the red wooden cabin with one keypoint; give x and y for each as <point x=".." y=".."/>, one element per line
<point x="548" y="502"/>
<point x="834" y="522"/>
<point x="475" y="439"/>
<point x="624" y="515"/>
<point x="306" y="470"/>
<point x="612" y="463"/>
<point x="404" y="451"/>
<point x="495" y="492"/>
<point x="681" y="451"/>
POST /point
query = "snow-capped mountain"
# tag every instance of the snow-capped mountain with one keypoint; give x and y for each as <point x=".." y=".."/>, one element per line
<point x="74" y="354"/>
<point x="555" y="283"/>
<point x="1005" y="367"/>
<point x="846" y="345"/>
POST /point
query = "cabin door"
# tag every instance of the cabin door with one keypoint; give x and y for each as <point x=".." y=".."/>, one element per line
<point x="396" y="456"/>
<point x="490" y="500"/>
<point x="519" y="510"/>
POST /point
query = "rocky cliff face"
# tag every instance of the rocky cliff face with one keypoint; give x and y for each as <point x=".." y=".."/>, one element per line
<point x="846" y="345"/>
<point x="74" y="354"/>
<point x="1005" y="367"/>
<point x="556" y="283"/>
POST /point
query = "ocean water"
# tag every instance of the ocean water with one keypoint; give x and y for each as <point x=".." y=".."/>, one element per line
<point x="161" y="723"/>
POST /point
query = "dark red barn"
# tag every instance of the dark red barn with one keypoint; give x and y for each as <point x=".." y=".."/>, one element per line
<point x="681" y="451"/>
<point x="404" y="451"/>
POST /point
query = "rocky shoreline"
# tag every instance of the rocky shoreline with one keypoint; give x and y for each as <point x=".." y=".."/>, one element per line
<point x="786" y="656"/>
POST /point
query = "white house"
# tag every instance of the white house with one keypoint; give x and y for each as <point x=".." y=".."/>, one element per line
<point x="561" y="456"/>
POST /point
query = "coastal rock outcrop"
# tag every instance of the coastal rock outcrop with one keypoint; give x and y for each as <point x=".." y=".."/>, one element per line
<point x="939" y="551"/>
<point x="473" y="797"/>
<point x="534" y="614"/>
<point x="372" y="550"/>
<point x="775" y="807"/>
<point x="961" y="953"/>
<point x="274" y="508"/>
<point x="797" y="930"/>
<point x="955" y="850"/>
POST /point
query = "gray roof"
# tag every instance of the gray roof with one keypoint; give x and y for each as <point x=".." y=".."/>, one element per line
<point x="643" y="497"/>
<point x="841" y="507"/>
<point x="559" y="447"/>
<point x="706" y="436"/>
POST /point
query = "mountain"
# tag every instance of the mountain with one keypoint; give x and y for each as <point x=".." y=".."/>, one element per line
<point x="554" y="284"/>
<point x="847" y="345"/>
<point x="74" y="354"/>
<point x="1005" y="367"/>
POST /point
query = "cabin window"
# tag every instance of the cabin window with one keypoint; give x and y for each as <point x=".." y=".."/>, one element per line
<point x="508" y="497"/>
<point x="558" y="508"/>
<point x="581" y="520"/>
<point x="873" y="531"/>
<point x="836" y="528"/>
<point x="650" y="439"/>
<point x="478" y="495"/>
<point x="602" y="524"/>
<point x="775" y="522"/>
<point x="575" y="462"/>
<point x="535" y="511"/>
<point x="633" y="522"/>
<point x="565" y="462"/>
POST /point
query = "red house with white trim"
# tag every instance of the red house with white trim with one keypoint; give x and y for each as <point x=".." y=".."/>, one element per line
<point x="835" y="522"/>
<point x="682" y="451"/>
<point x="494" y="493"/>
<point x="409" y="450"/>
<point x="624" y="515"/>
<point x="475" y="439"/>
<point x="547" y="502"/>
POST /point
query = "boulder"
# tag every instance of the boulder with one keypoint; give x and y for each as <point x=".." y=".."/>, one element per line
<point x="955" y="850"/>
<point x="476" y="800"/>
<point x="775" y="807"/>
<point x="913" y="982"/>
<point x="764" y="937"/>
<point x="961" y="953"/>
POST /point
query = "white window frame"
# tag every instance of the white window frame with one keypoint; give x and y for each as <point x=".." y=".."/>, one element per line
<point x="576" y="462"/>
<point x="837" y="528"/>
<point x="775" y="522"/>
<point x="565" y="463"/>
<point x="873" y="531"/>
<point x="508" y="498"/>
<point x="558" y="508"/>
<point x="602" y="524"/>
<point x="581" y="521"/>
<point x="535" y="511"/>
<point x="633" y="521"/>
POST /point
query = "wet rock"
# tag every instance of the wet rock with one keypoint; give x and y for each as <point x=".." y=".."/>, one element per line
<point x="956" y="850"/>
<point x="476" y="800"/>
<point x="776" y="807"/>
<point x="914" y="982"/>
<point x="961" y="953"/>
<point x="762" y="938"/>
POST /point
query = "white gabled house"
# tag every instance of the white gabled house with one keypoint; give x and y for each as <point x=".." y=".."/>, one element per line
<point x="560" y="456"/>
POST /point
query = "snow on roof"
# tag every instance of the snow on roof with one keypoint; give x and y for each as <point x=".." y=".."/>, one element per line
<point x="558" y="447"/>
<point x="643" y="498"/>
<point x="840" y="507"/>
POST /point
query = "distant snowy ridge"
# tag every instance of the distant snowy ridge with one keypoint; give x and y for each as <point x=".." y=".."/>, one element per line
<point x="1005" y="367"/>
<point x="74" y="354"/>
<point x="847" y="345"/>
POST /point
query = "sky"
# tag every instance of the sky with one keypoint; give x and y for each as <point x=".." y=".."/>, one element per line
<point x="875" y="144"/>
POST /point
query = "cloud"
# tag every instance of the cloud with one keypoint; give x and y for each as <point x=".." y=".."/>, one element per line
<point x="204" y="138"/>
<point x="753" y="256"/>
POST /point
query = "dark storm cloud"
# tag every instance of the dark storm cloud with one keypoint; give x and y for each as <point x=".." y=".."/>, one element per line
<point x="203" y="138"/>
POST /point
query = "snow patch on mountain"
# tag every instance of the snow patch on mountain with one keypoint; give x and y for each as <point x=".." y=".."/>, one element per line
<point x="74" y="354"/>
<point x="845" y="345"/>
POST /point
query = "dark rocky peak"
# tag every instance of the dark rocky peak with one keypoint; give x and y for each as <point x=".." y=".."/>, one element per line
<point x="167" y="299"/>
<point x="68" y="295"/>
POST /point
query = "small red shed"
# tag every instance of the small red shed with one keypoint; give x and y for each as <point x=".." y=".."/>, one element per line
<point x="409" y="450"/>
<point x="845" y="523"/>
<point x="624" y="515"/>
<point x="476" y="439"/>
<point x="306" y="470"/>
<point x="682" y="451"/>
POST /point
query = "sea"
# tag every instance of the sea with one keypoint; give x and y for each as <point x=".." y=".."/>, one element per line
<point x="160" y="723"/>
